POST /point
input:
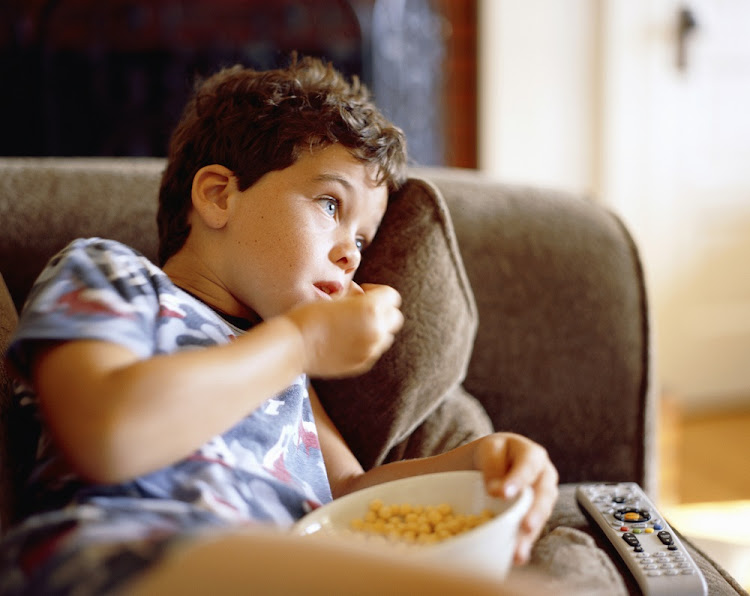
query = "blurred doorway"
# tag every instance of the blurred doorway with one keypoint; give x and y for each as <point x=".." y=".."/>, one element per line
<point x="676" y="150"/>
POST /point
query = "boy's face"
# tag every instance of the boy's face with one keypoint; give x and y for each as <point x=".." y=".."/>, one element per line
<point x="296" y="235"/>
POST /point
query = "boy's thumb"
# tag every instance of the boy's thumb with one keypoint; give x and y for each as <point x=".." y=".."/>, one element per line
<point x="355" y="289"/>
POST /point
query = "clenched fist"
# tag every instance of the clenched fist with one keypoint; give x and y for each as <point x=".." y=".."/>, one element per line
<point x="347" y="336"/>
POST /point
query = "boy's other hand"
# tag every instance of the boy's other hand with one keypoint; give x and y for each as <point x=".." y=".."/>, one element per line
<point x="347" y="336"/>
<point x="510" y="462"/>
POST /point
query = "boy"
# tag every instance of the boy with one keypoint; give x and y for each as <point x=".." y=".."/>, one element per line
<point x="175" y="401"/>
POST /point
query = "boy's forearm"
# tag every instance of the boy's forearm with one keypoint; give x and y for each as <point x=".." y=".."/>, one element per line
<point x="460" y="458"/>
<point x="118" y="417"/>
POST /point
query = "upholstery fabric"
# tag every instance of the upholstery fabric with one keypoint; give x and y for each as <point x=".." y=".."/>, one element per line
<point x="458" y="419"/>
<point x="47" y="203"/>
<point x="563" y="324"/>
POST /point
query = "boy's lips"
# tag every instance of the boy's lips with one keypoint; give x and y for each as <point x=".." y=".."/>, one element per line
<point x="330" y="289"/>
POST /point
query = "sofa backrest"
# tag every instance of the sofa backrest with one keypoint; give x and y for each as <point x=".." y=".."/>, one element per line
<point x="112" y="198"/>
<point x="563" y="350"/>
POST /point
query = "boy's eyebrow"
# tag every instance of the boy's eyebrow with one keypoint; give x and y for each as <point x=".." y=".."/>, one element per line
<point x="334" y="178"/>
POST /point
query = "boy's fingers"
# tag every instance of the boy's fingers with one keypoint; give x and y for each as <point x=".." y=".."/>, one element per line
<point x="545" y="496"/>
<point x="511" y="464"/>
<point x="523" y="550"/>
<point x="383" y="292"/>
<point x="528" y="463"/>
<point x="397" y="320"/>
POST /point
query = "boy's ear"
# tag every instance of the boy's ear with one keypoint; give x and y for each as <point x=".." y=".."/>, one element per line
<point x="212" y="186"/>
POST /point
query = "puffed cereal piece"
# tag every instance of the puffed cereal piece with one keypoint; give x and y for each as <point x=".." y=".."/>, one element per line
<point x="419" y="524"/>
<point x="375" y="505"/>
<point x="385" y="512"/>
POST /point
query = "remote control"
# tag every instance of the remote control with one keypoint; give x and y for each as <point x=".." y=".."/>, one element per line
<point x="651" y="550"/>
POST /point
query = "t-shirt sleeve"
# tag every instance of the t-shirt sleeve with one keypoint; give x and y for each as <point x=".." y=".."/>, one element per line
<point x="92" y="289"/>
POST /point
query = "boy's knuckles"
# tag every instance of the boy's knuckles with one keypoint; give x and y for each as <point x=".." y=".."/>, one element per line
<point x="348" y="337"/>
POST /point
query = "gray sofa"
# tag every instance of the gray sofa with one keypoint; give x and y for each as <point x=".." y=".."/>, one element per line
<point x="550" y="334"/>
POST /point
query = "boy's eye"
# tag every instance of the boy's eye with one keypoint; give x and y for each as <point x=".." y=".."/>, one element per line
<point x="361" y="244"/>
<point x="330" y="205"/>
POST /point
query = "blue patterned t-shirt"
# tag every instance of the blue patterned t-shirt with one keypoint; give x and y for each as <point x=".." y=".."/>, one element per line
<point x="268" y="467"/>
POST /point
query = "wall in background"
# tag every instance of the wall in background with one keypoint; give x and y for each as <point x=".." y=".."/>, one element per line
<point x="538" y="84"/>
<point x="591" y="96"/>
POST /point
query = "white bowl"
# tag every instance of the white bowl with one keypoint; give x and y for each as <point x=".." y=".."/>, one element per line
<point x="488" y="548"/>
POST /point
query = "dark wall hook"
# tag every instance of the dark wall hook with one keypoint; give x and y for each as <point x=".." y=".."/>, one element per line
<point x="686" y="25"/>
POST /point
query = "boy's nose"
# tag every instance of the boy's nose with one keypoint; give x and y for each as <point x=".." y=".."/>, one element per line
<point x="347" y="256"/>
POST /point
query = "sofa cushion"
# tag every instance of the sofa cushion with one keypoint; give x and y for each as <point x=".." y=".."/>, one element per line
<point x="416" y="252"/>
<point x="458" y="419"/>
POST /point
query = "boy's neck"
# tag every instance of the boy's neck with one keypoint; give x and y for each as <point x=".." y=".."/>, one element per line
<point x="238" y="315"/>
<point x="242" y="323"/>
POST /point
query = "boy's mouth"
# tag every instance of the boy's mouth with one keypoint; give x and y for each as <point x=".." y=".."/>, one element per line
<point x="330" y="289"/>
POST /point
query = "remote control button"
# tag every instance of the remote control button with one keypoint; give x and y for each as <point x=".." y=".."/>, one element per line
<point x="630" y="539"/>
<point x="688" y="571"/>
<point x="665" y="537"/>
<point x="649" y="530"/>
<point x="672" y="547"/>
<point x="624" y="528"/>
<point x="632" y="515"/>
<point x="638" y="549"/>
<point x="654" y="573"/>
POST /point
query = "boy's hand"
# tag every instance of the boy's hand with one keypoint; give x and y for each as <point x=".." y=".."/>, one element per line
<point x="347" y="336"/>
<point x="510" y="462"/>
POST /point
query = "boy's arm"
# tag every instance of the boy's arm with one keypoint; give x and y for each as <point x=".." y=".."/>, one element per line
<point x="117" y="416"/>
<point x="508" y="461"/>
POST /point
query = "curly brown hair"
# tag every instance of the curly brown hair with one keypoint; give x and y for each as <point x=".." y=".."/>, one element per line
<point x="254" y="122"/>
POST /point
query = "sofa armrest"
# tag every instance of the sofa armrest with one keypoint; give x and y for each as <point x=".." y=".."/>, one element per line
<point x="562" y="352"/>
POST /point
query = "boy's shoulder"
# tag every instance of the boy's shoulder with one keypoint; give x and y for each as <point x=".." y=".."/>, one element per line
<point x="95" y="246"/>
<point x="97" y="270"/>
<point x="111" y="257"/>
<point x="102" y="289"/>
